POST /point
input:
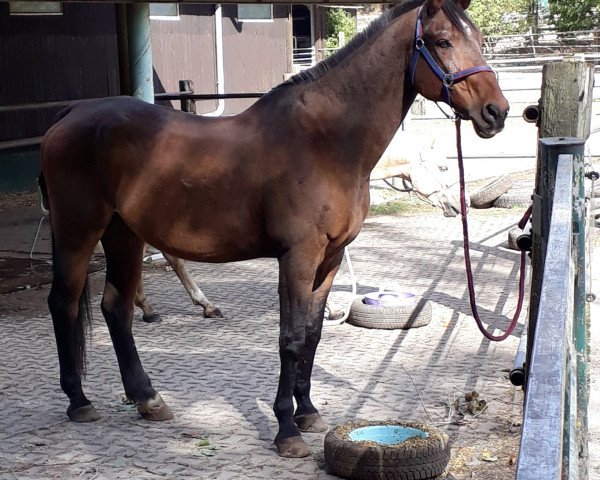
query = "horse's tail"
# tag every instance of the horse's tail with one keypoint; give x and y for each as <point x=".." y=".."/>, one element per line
<point x="83" y="328"/>
<point x="62" y="113"/>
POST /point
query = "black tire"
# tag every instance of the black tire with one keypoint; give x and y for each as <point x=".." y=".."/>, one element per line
<point x="485" y="196"/>
<point x="410" y="460"/>
<point x="417" y="314"/>
<point x="510" y="200"/>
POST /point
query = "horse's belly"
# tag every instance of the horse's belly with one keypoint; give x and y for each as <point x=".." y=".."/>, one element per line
<point x="210" y="244"/>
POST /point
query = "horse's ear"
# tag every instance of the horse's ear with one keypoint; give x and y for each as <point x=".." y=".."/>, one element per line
<point x="432" y="6"/>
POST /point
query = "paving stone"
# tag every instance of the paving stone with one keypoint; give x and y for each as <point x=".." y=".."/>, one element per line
<point x="220" y="376"/>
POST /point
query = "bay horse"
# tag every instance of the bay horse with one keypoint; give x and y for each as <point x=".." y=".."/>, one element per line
<point x="424" y="170"/>
<point x="287" y="178"/>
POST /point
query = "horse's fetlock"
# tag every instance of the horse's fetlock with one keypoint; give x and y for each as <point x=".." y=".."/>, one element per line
<point x="283" y="409"/>
<point x="139" y="390"/>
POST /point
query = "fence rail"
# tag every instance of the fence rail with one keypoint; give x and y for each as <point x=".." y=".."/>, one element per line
<point x="540" y="454"/>
<point x="554" y="436"/>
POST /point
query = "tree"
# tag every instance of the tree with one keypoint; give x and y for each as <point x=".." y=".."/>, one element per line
<point x="570" y="15"/>
<point x="501" y="18"/>
<point x="339" y="20"/>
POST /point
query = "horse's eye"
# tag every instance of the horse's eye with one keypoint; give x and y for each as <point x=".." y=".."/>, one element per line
<point x="443" y="43"/>
<point x="443" y="168"/>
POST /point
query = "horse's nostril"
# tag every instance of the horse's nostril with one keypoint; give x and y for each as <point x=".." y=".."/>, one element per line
<point x="492" y="110"/>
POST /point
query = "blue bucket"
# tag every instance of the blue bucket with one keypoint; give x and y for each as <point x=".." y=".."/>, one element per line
<point x="385" y="434"/>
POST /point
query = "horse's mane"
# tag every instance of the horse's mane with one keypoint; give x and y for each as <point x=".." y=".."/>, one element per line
<point x="455" y="15"/>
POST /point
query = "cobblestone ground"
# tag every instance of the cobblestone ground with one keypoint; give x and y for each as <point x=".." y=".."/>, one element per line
<point x="220" y="376"/>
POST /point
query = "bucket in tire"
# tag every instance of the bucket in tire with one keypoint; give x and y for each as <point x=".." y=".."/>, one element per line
<point x="390" y="449"/>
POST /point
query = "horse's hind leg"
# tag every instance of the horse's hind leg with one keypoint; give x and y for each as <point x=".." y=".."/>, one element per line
<point x="123" y="251"/>
<point x="68" y="304"/>
<point x="307" y="416"/>
<point x="197" y="296"/>
<point x="149" y="315"/>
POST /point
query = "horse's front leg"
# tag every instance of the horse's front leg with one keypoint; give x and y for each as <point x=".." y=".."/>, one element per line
<point x="296" y="278"/>
<point x="307" y="417"/>
<point x="197" y="296"/>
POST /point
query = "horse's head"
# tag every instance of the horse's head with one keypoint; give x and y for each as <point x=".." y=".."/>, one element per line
<point x="432" y="180"/>
<point x="448" y="65"/>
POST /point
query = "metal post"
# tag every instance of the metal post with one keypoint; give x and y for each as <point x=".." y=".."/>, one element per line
<point x="140" y="51"/>
<point x="187" y="104"/>
<point x="581" y="332"/>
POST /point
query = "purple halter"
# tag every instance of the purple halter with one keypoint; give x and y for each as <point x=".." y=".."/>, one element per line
<point x="448" y="79"/>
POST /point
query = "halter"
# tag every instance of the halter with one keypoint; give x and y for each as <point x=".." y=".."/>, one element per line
<point x="448" y="79"/>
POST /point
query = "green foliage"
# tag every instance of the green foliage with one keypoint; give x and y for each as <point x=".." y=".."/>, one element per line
<point x="501" y="18"/>
<point x="338" y="20"/>
<point x="570" y="15"/>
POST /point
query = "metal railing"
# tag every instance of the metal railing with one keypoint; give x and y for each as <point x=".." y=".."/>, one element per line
<point x="304" y="57"/>
<point x="554" y="433"/>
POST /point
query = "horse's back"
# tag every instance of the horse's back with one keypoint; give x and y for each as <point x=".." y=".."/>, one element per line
<point x="186" y="184"/>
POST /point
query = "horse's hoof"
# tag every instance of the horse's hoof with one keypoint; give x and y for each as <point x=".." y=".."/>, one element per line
<point x="87" y="413"/>
<point x="312" y="422"/>
<point x="212" y="312"/>
<point x="155" y="409"/>
<point x="292" y="447"/>
<point x="152" y="318"/>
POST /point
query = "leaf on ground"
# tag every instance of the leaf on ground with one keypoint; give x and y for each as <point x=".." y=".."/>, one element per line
<point x="487" y="456"/>
<point x="205" y="448"/>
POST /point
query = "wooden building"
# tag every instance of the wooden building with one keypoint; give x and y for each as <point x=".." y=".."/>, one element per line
<point x="71" y="51"/>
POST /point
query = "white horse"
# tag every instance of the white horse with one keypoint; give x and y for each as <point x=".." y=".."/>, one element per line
<point x="423" y="168"/>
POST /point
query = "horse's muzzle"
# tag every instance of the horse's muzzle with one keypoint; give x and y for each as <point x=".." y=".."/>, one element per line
<point x="490" y="120"/>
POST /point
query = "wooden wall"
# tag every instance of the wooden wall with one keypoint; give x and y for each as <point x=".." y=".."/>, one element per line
<point x="55" y="58"/>
<point x="75" y="55"/>
<point x="256" y="55"/>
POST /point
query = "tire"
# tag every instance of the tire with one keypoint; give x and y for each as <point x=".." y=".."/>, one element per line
<point x="510" y="200"/>
<point x="410" y="460"/>
<point x="485" y="196"/>
<point x="418" y="314"/>
<point x="513" y="234"/>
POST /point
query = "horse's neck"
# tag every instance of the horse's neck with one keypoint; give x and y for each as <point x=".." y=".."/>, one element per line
<point x="364" y="99"/>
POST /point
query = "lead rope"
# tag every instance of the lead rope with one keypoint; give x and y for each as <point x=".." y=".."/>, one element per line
<point x="463" y="211"/>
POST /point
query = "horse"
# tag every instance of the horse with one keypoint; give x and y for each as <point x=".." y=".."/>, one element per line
<point x="288" y="178"/>
<point x="149" y="313"/>
<point x="423" y="170"/>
